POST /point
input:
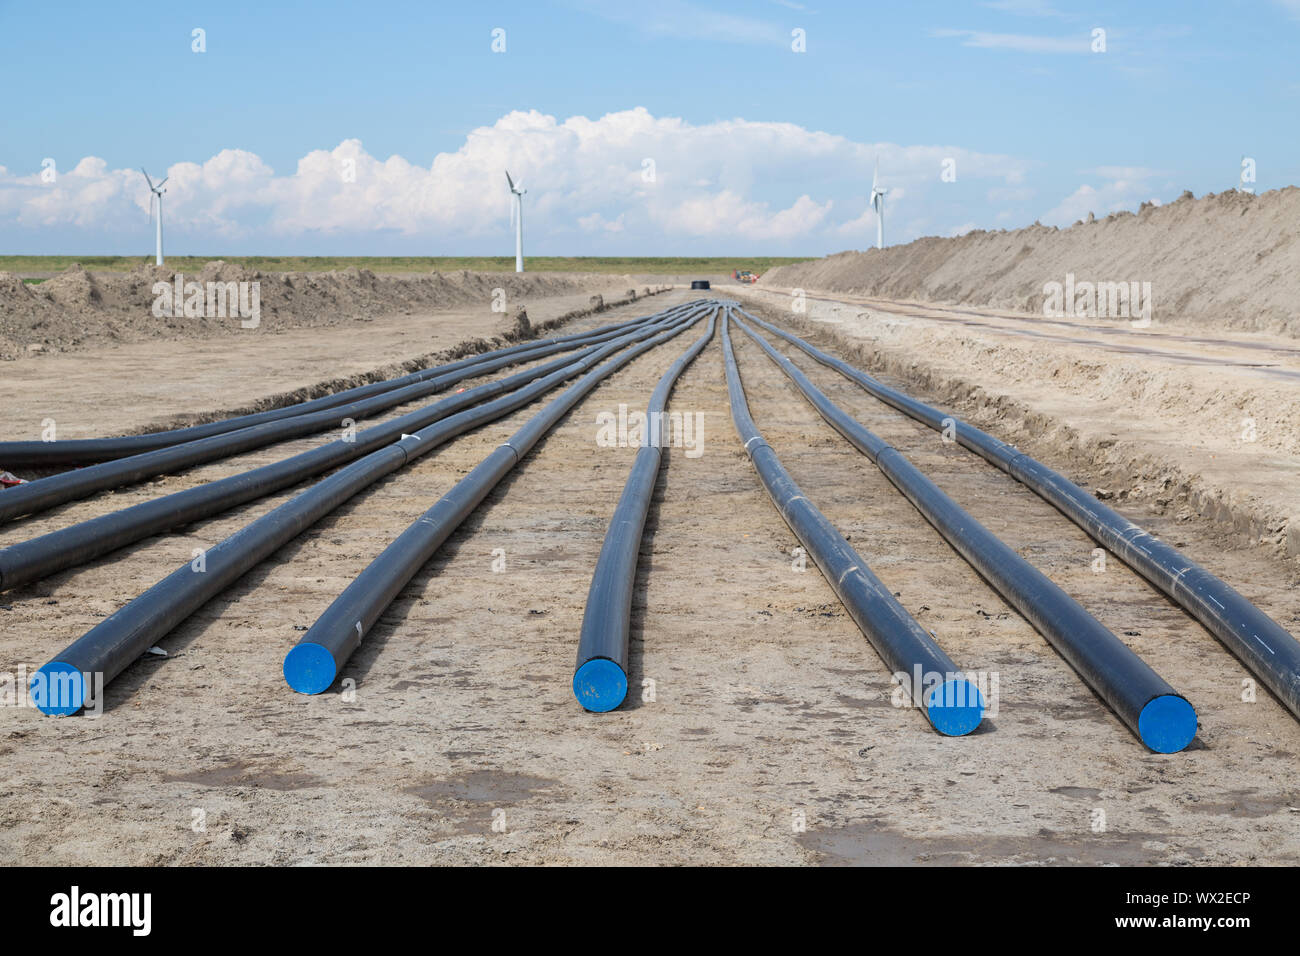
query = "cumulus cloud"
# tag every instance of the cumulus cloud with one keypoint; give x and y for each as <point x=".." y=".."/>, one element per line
<point x="598" y="223"/>
<point x="1121" y="188"/>
<point x="628" y="175"/>
<point x="727" y="213"/>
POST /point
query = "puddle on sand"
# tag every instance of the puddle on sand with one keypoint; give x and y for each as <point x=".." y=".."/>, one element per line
<point x="483" y="786"/>
<point x="486" y="791"/>
<point x="1246" y="803"/>
<point x="862" y="844"/>
<point x="1081" y="793"/>
<point x="242" y="774"/>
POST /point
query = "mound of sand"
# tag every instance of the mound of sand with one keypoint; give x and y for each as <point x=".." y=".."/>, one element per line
<point x="78" y="308"/>
<point x="74" y="289"/>
<point x="1228" y="261"/>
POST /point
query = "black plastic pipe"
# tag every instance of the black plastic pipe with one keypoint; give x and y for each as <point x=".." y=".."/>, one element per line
<point x="1265" y="647"/>
<point x="60" y="687"/>
<point x="1160" y="717"/>
<point x="39" y="557"/>
<point x="312" y="664"/>
<point x="45" y="493"/>
<point x="84" y="451"/>
<point x="951" y="702"/>
<point x="600" y="675"/>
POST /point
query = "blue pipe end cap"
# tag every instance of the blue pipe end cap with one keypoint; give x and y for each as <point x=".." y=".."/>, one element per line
<point x="309" y="668"/>
<point x="58" y="689"/>
<point x="955" y="707"/>
<point x="1167" y="724"/>
<point x="600" y="685"/>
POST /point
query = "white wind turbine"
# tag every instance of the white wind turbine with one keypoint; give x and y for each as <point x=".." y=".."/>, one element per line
<point x="156" y="192"/>
<point x="878" y="204"/>
<point x="517" y="215"/>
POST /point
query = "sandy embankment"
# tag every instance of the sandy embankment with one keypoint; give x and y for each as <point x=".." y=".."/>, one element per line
<point x="1226" y="261"/>
<point x="78" y="309"/>
<point x="328" y="331"/>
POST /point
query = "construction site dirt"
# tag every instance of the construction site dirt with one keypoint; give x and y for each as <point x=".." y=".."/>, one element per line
<point x="760" y="726"/>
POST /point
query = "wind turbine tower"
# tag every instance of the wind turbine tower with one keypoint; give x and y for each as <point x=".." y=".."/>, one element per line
<point x="156" y="192"/>
<point x="878" y="204"/>
<point x="517" y="190"/>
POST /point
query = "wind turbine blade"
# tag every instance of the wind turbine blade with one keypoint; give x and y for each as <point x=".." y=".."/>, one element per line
<point x="165" y="178"/>
<point x="510" y="181"/>
<point x="147" y="179"/>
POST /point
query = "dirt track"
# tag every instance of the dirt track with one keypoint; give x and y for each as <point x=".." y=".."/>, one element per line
<point x="767" y="700"/>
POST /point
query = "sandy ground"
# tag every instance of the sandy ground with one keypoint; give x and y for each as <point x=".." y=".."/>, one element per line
<point x="768" y="706"/>
<point x="78" y="309"/>
<point x="148" y="385"/>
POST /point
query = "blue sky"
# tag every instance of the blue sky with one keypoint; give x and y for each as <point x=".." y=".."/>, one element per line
<point x="755" y="148"/>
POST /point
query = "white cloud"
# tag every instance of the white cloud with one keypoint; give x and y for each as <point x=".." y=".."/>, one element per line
<point x="1020" y="42"/>
<point x="598" y="223"/>
<point x="735" y="180"/>
<point x="864" y="226"/>
<point x="1125" y="188"/>
<point x="729" y="214"/>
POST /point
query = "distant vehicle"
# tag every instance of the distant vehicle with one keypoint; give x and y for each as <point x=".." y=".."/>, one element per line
<point x="700" y="284"/>
<point x="744" y="275"/>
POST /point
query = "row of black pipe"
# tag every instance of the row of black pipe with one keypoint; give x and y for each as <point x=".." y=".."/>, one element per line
<point x="84" y="541"/>
<point x="310" y="667"/>
<point x="54" y="490"/>
<point x="1156" y="713"/>
<point x="1162" y="718"/>
<point x="61" y="685"/>
<point x="1266" y="648"/>
<point x="17" y="455"/>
